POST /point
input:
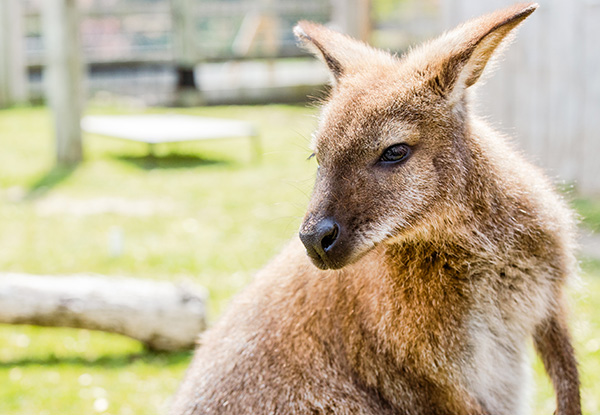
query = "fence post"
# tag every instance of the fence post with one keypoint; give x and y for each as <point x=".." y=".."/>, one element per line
<point x="13" y="86"/>
<point x="63" y="76"/>
<point x="185" y="55"/>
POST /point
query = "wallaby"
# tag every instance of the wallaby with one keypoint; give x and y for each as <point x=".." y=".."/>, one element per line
<point x="431" y="252"/>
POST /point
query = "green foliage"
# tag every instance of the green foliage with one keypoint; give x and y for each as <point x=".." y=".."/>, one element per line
<point x="198" y="211"/>
<point x="589" y="211"/>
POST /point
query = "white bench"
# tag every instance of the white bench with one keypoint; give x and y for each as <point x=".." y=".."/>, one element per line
<point x="170" y="128"/>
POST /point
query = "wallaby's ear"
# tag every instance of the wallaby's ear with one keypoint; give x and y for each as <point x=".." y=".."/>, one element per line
<point x="342" y="54"/>
<point x="459" y="57"/>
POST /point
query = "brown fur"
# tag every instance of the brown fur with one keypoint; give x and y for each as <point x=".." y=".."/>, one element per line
<point x="443" y="268"/>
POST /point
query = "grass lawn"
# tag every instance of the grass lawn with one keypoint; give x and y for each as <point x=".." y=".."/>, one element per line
<point x="198" y="211"/>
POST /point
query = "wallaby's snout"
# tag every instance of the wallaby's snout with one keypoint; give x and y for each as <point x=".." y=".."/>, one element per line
<point x="319" y="239"/>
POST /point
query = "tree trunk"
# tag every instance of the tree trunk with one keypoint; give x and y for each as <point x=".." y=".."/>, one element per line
<point x="63" y="76"/>
<point x="163" y="315"/>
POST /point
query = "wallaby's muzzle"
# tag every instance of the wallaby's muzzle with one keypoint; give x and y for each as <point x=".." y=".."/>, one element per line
<point x="332" y="232"/>
<point x="319" y="239"/>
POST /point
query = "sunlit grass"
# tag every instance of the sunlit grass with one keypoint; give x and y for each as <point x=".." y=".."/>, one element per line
<point x="198" y="211"/>
<point x="202" y="211"/>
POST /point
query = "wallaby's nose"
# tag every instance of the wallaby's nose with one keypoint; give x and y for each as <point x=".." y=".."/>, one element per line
<point x="320" y="238"/>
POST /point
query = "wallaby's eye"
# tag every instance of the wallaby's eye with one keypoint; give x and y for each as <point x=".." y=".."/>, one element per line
<point x="395" y="154"/>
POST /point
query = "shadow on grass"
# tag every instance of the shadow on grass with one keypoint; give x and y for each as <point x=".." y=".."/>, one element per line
<point x="107" y="361"/>
<point x="172" y="161"/>
<point x="49" y="180"/>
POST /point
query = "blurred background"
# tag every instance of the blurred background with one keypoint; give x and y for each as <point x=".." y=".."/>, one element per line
<point x="95" y="176"/>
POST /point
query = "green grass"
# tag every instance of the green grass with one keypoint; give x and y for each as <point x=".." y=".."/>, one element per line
<point x="198" y="211"/>
<point x="206" y="212"/>
<point x="589" y="209"/>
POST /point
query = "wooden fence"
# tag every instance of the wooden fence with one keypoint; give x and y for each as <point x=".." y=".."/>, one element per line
<point x="12" y="60"/>
<point x="546" y="90"/>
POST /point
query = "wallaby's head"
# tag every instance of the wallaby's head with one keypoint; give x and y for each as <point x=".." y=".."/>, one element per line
<point x="392" y="144"/>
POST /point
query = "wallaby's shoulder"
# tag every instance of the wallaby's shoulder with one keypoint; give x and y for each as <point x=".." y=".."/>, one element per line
<point x="527" y="201"/>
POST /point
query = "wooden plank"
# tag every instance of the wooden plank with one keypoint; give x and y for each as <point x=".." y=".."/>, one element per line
<point x="561" y="56"/>
<point x="547" y="90"/>
<point x="536" y="133"/>
<point x="171" y="128"/>
<point x="184" y="38"/>
<point x="352" y="17"/>
<point x="524" y="74"/>
<point x="161" y="128"/>
<point x="589" y="182"/>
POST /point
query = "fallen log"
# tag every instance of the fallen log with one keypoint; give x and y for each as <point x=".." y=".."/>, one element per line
<point x="163" y="315"/>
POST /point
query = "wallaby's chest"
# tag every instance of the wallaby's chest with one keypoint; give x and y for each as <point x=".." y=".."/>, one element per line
<point x="436" y="326"/>
<point x="413" y="318"/>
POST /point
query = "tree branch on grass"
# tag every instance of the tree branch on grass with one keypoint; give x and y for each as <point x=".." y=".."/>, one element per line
<point x="163" y="315"/>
